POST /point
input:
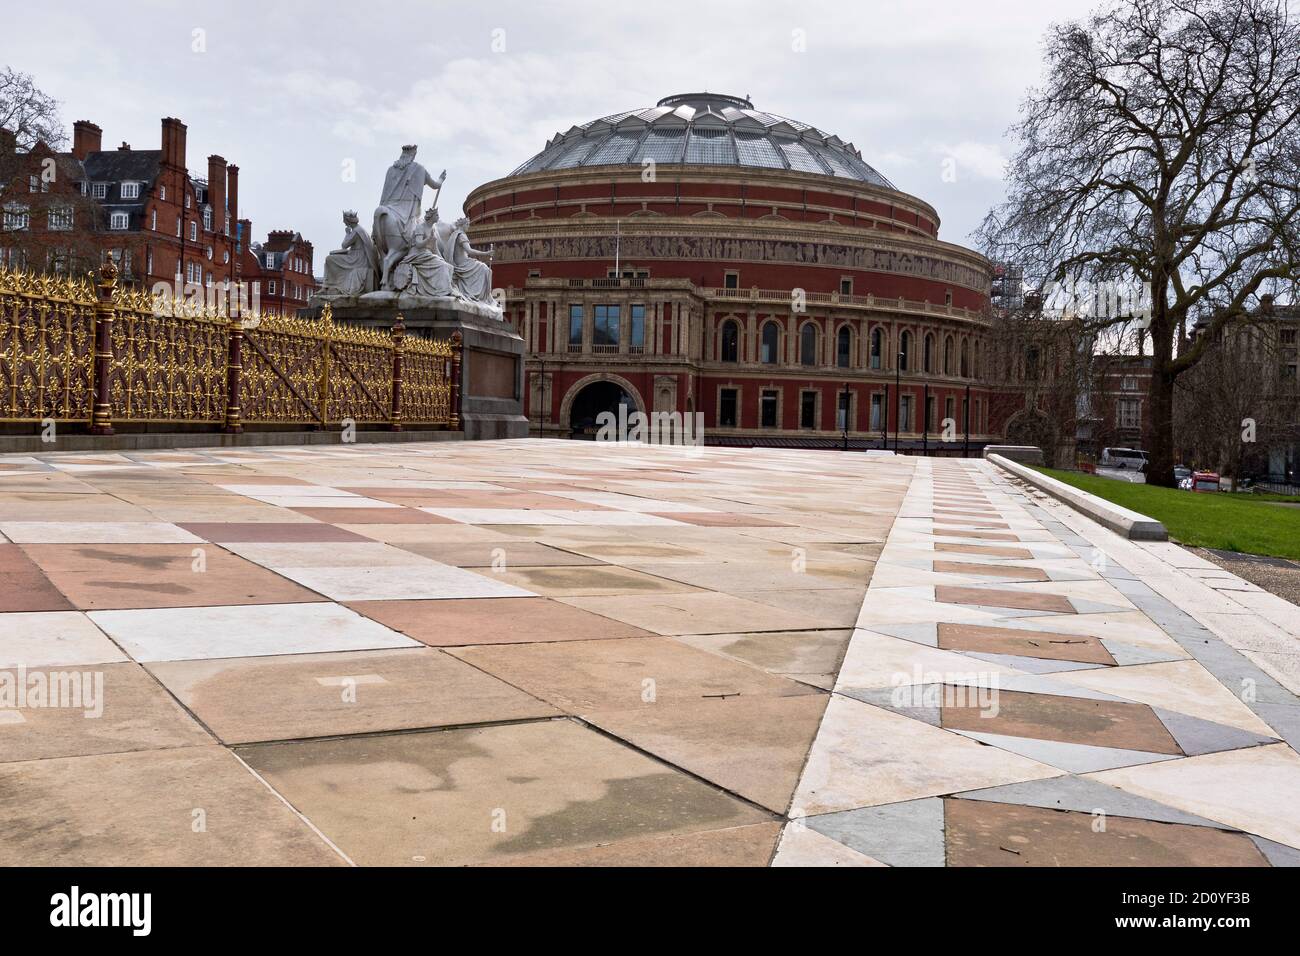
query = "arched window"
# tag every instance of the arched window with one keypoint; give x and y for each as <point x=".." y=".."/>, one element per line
<point x="771" y="344"/>
<point x="947" y="356"/>
<point x="904" y="351"/>
<point x="808" y="345"/>
<point x="730" y="341"/>
<point x="927" y="349"/>
<point x="843" y="347"/>
<point x="965" y="358"/>
<point x="877" y="347"/>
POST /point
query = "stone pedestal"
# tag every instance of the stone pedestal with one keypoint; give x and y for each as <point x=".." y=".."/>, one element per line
<point x="492" y="358"/>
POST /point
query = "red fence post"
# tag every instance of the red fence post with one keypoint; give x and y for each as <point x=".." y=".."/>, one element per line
<point x="101" y="418"/>
<point x="234" y="377"/>
<point x="454" y="418"/>
<point x="395" y="410"/>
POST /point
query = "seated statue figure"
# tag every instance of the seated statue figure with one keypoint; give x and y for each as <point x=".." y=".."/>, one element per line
<point x="350" y="270"/>
<point x="421" y="270"/>
<point x="472" y="272"/>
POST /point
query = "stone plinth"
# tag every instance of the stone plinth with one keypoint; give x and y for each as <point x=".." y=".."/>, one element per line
<point x="492" y="358"/>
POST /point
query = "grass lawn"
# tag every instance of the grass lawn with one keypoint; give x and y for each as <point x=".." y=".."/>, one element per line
<point x="1225" y="521"/>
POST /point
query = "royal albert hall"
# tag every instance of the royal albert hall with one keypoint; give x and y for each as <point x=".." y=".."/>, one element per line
<point x="704" y="256"/>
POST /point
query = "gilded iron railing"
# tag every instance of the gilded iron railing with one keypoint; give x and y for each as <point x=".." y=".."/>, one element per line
<point x="82" y="349"/>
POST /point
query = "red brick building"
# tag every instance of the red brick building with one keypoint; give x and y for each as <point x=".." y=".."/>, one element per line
<point x="159" y="221"/>
<point x="279" y="270"/>
<point x="704" y="256"/>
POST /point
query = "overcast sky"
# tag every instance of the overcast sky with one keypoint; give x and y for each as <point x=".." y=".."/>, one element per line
<point x="294" y="92"/>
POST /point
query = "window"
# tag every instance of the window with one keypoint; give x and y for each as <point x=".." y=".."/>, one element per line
<point x="846" y="286"/>
<point x="877" y="412"/>
<point x="179" y="227"/>
<point x="130" y="190"/>
<point x="1031" y="363"/>
<point x="637" y="342"/>
<point x="207" y="218"/>
<point x="808" y="345"/>
<point x="730" y="341"/>
<point x="194" y="231"/>
<point x="1128" y="413"/>
<point x="187" y="200"/>
<point x="947" y="356"/>
<point x="270" y="260"/>
<point x="1130" y="383"/>
<point x="727" y="408"/>
<point x="927" y="352"/>
<point x="119" y="220"/>
<point x="162" y="193"/>
<point x="843" y="404"/>
<point x="843" y="347"/>
<point x="905" y="414"/>
<point x="731" y="280"/>
<point x="904" y="351"/>
<point x="99" y="190"/>
<point x="153" y="220"/>
<point x="771" y="343"/>
<point x="60" y="218"/>
<point x="877" y="347"/>
<point x="605" y="325"/>
<point x="148" y="261"/>
<point x="575" y="325"/>
<point x="807" y="409"/>
<point x="965" y="358"/>
<point x="929" y="413"/>
<point x="950" y="409"/>
<point x="270" y="287"/>
<point x="16" y="217"/>
<point x="767" y="408"/>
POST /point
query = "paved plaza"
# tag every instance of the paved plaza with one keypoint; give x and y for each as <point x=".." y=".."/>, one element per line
<point x="570" y="653"/>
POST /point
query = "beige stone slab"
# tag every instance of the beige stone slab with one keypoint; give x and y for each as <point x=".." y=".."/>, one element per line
<point x="802" y="846"/>
<point x="191" y="806"/>
<point x="696" y="613"/>
<point x="796" y="654"/>
<point x="833" y="607"/>
<point x="584" y="581"/>
<point x="247" y="699"/>
<point x="750" y="845"/>
<point x="878" y="660"/>
<point x="93" y="709"/>
<point x="401" y="534"/>
<point x="1183" y="686"/>
<point x="1253" y="789"/>
<point x="738" y="576"/>
<point x="865" y="756"/>
<point x="53" y="639"/>
<point x="642" y="673"/>
<point x="754" y="746"/>
<point x="488" y="795"/>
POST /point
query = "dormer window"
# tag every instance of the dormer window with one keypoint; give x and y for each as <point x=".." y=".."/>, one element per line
<point x="99" y="190"/>
<point x="270" y="260"/>
<point x="130" y="190"/>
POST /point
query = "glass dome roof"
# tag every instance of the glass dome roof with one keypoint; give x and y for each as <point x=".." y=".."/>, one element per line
<point x="704" y="129"/>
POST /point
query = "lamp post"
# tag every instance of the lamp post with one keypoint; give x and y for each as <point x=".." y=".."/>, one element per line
<point x="898" y="398"/>
<point x="847" y="400"/>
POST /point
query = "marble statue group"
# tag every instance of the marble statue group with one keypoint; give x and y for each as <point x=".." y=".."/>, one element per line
<point x="406" y="255"/>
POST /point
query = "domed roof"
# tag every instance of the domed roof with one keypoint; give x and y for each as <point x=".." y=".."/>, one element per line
<point x="704" y="129"/>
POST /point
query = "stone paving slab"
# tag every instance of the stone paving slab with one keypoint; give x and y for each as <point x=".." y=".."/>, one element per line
<point x="571" y="653"/>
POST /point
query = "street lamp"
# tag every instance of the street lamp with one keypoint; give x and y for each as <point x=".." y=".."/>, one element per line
<point x="898" y="397"/>
<point x="846" y="405"/>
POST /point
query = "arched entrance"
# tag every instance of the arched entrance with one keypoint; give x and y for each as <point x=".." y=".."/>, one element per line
<point x="591" y="396"/>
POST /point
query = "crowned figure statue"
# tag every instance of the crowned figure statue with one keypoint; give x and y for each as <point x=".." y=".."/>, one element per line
<point x="399" y="210"/>
<point x="351" y="269"/>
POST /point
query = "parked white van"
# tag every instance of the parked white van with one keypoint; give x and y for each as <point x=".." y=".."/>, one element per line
<point x="1123" y="458"/>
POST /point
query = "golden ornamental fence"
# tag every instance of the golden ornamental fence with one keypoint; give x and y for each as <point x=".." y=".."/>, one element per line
<point x="83" y="349"/>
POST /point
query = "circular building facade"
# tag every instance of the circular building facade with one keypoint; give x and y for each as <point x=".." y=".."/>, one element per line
<point x="702" y="256"/>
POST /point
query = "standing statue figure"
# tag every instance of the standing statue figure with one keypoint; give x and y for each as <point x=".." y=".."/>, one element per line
<point x="350" y="269"/>
<point x="399" y="209"/>
<point x="422" y="271"/>
<point x="473" y="272"/>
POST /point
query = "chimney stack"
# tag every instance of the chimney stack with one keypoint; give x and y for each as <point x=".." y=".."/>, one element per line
<point x="232" y="194"/>
<point x="87" y="138"/>
<point x="217" y="191"/>
<point x="173" y="143"/>
<point x="8" y="142"/>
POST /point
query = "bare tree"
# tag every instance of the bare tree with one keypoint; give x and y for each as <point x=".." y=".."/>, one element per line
<point x="1162" y="151"/>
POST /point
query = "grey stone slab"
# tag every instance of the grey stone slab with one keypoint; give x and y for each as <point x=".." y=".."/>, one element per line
<point x="885" y="697"/>
<point x="899" y="834"/>
<point x="1279" y="854"/>
<point x="926" y="633"/>
<point x="1130" y="588"/>
<point x="1126" y="654"/>
<point x="1086" y="796"/>
<point x="1035" y="665"/>
<point x="1197" y="736"/>
<point x="1074" y="758"/>
<point x="1084" y="606"/>
<point x="1283" y="718"/>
